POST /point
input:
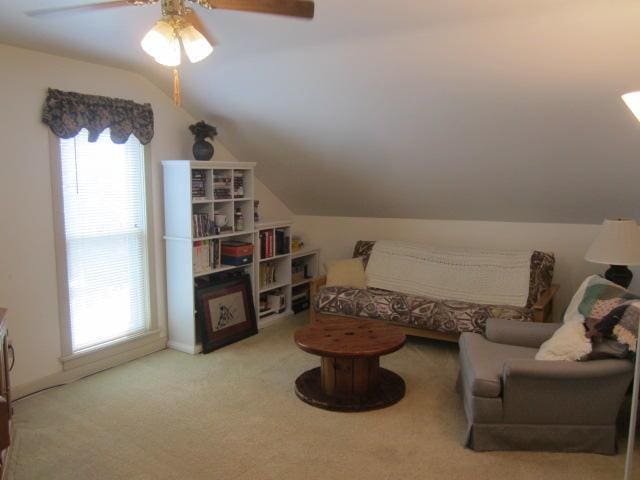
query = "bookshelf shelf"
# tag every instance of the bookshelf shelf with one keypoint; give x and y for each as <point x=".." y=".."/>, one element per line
<point x="275" y="286"/>
<point x="275" y="257"/>
<point x="305" y="252"/>
<point x="303" y="282"/>
<point x="222" y="268"/>
<point x="222" y="235"/>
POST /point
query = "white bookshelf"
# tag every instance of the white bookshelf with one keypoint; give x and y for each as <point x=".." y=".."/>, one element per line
<point x="280" y="261"/>
<point x="284" y="283"/>
<point x="180" y="237"/>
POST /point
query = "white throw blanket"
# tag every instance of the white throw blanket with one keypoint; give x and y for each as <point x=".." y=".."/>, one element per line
<point x="491" y="278"/>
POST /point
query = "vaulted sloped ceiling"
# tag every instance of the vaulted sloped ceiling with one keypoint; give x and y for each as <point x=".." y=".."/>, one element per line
<point x="454" y="109"/>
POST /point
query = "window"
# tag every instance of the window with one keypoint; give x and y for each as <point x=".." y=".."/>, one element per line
<point x="102" y="190"/>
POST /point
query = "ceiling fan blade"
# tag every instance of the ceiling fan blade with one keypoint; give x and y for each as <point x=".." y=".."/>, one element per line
<point x="292" y="8"/>
<point x="88" y="7"/>
<point x="193" y="18"/>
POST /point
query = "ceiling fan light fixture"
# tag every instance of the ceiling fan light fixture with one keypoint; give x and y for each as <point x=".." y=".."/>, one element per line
<point x="170" y="56"/>
<point x="158" y="38"/>
<point x="196" y="46"/>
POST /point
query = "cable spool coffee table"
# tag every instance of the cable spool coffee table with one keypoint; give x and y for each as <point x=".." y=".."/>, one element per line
<point x="349" y="378"/>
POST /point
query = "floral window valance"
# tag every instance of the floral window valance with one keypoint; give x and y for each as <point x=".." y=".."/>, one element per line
<point x="67" y="113"/>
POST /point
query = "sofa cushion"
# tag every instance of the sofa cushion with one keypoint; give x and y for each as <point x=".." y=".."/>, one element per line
<point x="413" y="311"/>
<point x="540" y="273"/>
<point x="482" y="362"/>
<point x="346" y="273"/>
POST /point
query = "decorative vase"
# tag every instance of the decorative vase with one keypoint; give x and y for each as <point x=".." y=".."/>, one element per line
<point x="202" y="150"/>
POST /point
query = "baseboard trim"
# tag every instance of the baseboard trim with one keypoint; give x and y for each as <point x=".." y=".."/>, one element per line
<point x="184" y="348"/>
<point x="67" y="376"/>
<point x="273" y="319"/>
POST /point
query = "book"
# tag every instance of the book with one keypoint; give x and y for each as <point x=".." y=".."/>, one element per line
<point x="281" y="241"/>
<point x="268" y="274"/>
<point x="198" y="184"/>
<point x="206" y="255"/>
<point x="203" y="225"/>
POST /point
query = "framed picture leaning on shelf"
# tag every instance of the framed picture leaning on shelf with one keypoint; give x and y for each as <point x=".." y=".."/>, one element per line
<point x="225" y="312"/>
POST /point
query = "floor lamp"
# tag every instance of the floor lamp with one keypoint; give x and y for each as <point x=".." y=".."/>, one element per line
<point x="618" y="245"/>
<point x="633" y="102"/>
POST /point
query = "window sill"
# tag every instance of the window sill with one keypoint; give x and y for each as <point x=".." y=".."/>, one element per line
<point x="111" y="349"/>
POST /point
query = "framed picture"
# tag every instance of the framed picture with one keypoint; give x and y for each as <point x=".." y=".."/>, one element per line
<point x="225" y="313"/>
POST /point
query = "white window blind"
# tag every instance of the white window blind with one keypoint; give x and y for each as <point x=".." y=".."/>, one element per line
<point x="105" y="232"/>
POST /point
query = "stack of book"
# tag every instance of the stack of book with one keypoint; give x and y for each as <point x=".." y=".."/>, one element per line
<point x="266" y="244"/>
<point x="299" y="270"/>
<point x="206" y="255"/>
<point x="221" y="187"/>
<point x="238" y="185"/>
<point x="282" y="241"/>
<point x="198" y="184"/>
<point x="221" y="193"/>
<point x="268" y="274"/>
<point x="203" y="226"/>
<point x="300" y="298"/>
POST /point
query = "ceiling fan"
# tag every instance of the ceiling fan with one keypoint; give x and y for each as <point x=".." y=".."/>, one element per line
<point x="182" y="25"/>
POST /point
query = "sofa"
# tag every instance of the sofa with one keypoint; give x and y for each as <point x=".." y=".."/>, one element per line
<point x="514" y="402"/>
<point x="428" y="317"/>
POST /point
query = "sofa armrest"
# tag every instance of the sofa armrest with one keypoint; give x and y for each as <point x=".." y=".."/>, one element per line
<point x="569" y="393"/>
<point x="523" y="334"/>
<point x="315" y="285"/>
<point x="543" y="308"/>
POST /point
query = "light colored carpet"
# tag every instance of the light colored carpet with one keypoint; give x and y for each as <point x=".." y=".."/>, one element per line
<point x="233" y="414"/>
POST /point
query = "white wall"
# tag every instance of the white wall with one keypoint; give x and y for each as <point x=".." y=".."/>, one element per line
<point x="27" y="262"/>
<point x="337" y="235"/>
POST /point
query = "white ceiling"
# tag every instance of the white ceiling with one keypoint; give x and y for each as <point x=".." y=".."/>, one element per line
<point x="455" y="109"/>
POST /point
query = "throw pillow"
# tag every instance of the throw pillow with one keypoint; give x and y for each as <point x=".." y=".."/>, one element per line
<point x="609" y="313"/>
<point x="346" y="273"/>
<point x="600" y="299"/>
<point x="569" y="343"/>
<point x="606" y="348"/>
<point x="595" y="298"/>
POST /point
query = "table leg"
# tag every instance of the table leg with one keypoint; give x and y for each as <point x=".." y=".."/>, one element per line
<point x="350" y="385"/>
<point x="342" y="376"/>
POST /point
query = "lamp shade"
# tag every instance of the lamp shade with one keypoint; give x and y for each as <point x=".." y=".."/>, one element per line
<point x="170" y="56"/>
<point x="157" y="39"/>
<point x="618" y="243"/>
<point x="195" y="45"/>
<point x="632" y="100"/>
<point x="162" y="44"/>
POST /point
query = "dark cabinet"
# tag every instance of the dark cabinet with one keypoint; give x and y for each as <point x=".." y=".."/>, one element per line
<point x="6" y="364"/>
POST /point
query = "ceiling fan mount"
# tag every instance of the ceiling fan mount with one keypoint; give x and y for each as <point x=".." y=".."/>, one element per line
<point x="291" y="8"/>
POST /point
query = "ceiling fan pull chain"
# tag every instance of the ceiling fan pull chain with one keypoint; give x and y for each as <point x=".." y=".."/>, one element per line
<point x="176" y="87"/>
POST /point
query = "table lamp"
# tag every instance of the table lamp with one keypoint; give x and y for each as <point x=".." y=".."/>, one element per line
<point x="633" y="102"/>
<point x="617" y="245"/>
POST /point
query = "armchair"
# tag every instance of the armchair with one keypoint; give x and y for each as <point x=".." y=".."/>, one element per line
<point x="514" y="402"/>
